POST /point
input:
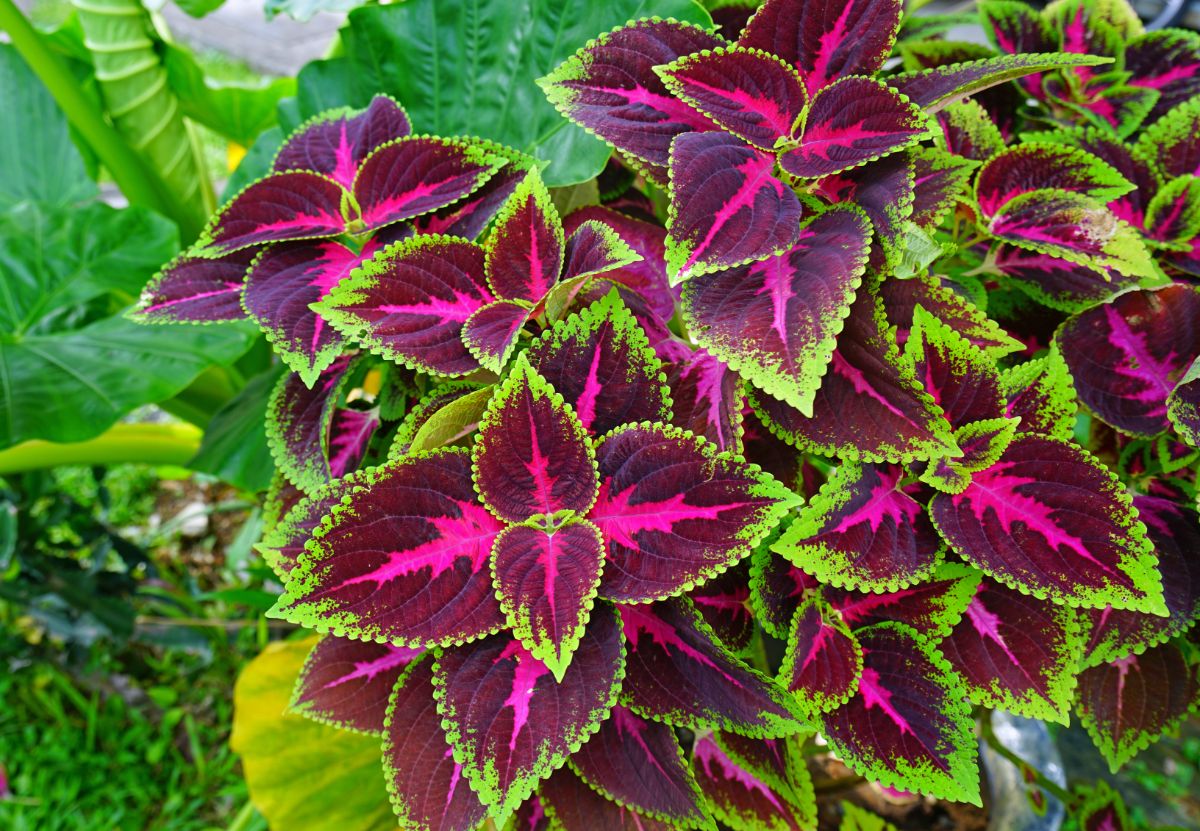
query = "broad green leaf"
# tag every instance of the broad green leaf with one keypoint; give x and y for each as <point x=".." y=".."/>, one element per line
<point x="471" y="72"/>
<point x="235" y="441"/>
<point x="38" y="162"/>
<point x="303" y="775"/>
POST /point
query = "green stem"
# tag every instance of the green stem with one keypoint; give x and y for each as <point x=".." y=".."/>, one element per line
<point x="152" y="444"/>
<point x="136" y="181"/>
<point x="1039" y="779"/>
<point x="244" y="817"/>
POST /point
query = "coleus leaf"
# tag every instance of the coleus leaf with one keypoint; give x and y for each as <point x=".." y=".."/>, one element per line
<point x="601" y="362"/>
<point x="546" y="580"/>
<point x="1128" y="704"/>
<point x="510" y="722"/>
<point x="490" y="333"/>
<point x="1175" y="532"/>
<point x="1183" y="405"/>
<point x="426" y="784"/>
<point x="525" y="249"/>
<point x="968" y="131"/>
<point x="727" y="208"/>
<point x="647" y="276"/>
<point x="349" y="438"/>
<point x="299" y="423"/>
<point x="901" y="297"/>
<point x="851" y="122"/>
<point x="347" y="683"/>
<point x="1173" y="215"/>
<point x="574" y="806"/>
<point x="416" y="573"/>
<point x="1050" y="520"/>
<point x="281" y="206"/>
<point x="1056" y="282"/>
<point x="825" y="41"/>
<point x="939" y="182"/>
<point x="938" y="87"/>
<point x="863" y="531"/>
<point x="336" y="142"/>
<point x="908" y="725"/>
<point x="1168" y="62"/>
<point x="776" y="321"/>
<point x="884" y="189"/>
<point x="675" y="511"/>
<point x="724" y="603"/>
<point x="282" y="545"/>
<point x="410" y="301"/>
<point x="532" y="815"/>
<point x="706" y="396"/>
<point x="752" y="94"/>
<point x="1038" y="166"/>
<point x="1170" y="144"/>
<point x="961" y="378"/>
<point x="414" y="175"/>
<point x="470" y="216"/>
<point x="610" y="89"/>
<point x="1016" y="652"/>
<point x="639" y="765"/>
<point x="196" y="290"/>
<point x="1073" y="227"/>
<point x="932" y="607"/>
<point x="283" y="282"/>
<point x="677" y="672"/>
<point x="1126" y="355"/>
<point x="981" y="442"/>
<point x="823" y="661"/>
<point x="778" y="762"/>
<point x="866" y="375"/>
<point x="776" y="589"/>
<point x="1102" y="809"/>
<point x="532" y="456"/>
<point x="742" y="800"/>
<point x="593" y="248"/>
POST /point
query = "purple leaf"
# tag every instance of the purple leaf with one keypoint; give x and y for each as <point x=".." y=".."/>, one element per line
<point x="601" y="363"/>
<point x="1038" y="166"/>
<point x="826" y="40"/>
<point x="283" y="544"/>
<point x="939" y="183"/>
<point x="866" y="375"/>
<point x="1039" y="392"/>
<point x="961" y="378"/>
<point x="852" y="122"/>
<point x="884" y="190"/>
<point x="1183" y="406"/>
<point x="775" y="321"/>
<point x="969" y="131"/>
<point x="707" y="399"/>
<point x="283" y="282"/>
<point x="639" y="764"/>
<point x="577" y="807"/>
<point x="750" y="93"/>
<point x="740" y="799"/>
<point x="491" y="332"/>
<point x="546" y="581"/>
<point x="823" y="661"/>
<point x="196" y="290"/>
<point x="776" y="590"/>
<point x="862" y="530"/>
<point x="727" y="207"/>
<point x="416" y="574"/>
<point x="1050" y="520"/>
<point x="1127" y="355"/>
<point x="1175" y="532"/>
<point x="724" y="603"/>
<point x="415" y="175"/>
<point x="468" y="217"/>
<point x="1128" y="704"/>
<point x="347" y="683"/>
<point x="901" y="297"/>
<point x="1168" y="62"/>
<point x="349" y="436"/>
<point x="532" y="456"/>
<point x="510" y="722"/>
<point x="298" y="424"/>
<point x="1055" y="282"/>
<point x="648" y="276"/>
<point x="675" y="511"/>
<point x="1016" y="652"/>
<point x="281" y="206"/>
<point x="676" y="671"/>
<point x="525" y="249"/>
<point x="609" y="88"/>
<point x="932" y="607"/>
<point x="336" y="142"/>
<point x="908" y="725"/>
<point x="594" y="248"/>
<point x="410" y="301"/>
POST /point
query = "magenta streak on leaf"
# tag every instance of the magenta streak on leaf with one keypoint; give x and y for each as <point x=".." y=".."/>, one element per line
<point x="381" y="210"/>
<point x="539" y="470"/>
<point x="397" y="656"/>
<point x="860" y="383"/>
<point x="537" y="814"/>
<point x="469" y="535"/>
<point x="754" y="170"/>
<point x="622" y="521"/>
<point x="830" y="41"/>
<point x="1145" y="364"/>
<point x="710" y="386"/>
<point x="1011" y="507"/>
<point x="1176" y="73"/>
<point x="337" y="261"/>
<point x="859" y="609"/>
<point x="674" y="110"/>
<point x="229" y="289"/>
<point x="346" y="167"/>
<point x="454" y="777"/>
<point x="585" y="407"/>
<point x="875" y="695"/>
<point x="728" y="602"/>
<point x="303" y="221"/>
<point x="987" y="624"/>
<point x="633" y="727"/>
<point x="525" y="677"/>
<point x="635" y="621"/>
<point x="707" y="753"/>
<point x="820" y="139"/>
<point x="778" y="118"/>
<point x="447" y="311"/>
<point x="882" y="504"/>
<point x="814" y="649"/>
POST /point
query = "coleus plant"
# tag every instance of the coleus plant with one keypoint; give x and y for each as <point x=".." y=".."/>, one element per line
<point x="860" y="399"/>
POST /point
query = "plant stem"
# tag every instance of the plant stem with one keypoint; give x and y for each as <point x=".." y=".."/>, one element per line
<point x="154" y="444"/>
<point x="244" y="817"/>
<point x="139" y="184"/>
<point x="1039" y="779"/>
